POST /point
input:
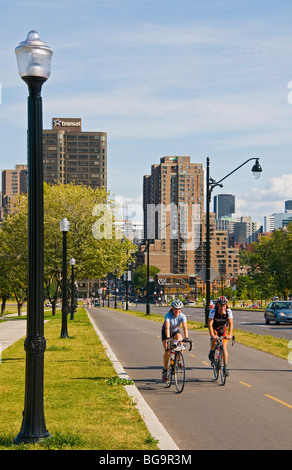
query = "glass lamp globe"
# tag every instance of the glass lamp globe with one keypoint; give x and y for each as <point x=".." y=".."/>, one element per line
<point x="64" y="225"/>
<point x="34" y="57"/>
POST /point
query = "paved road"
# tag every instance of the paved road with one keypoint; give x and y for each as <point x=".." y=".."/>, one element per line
<point x="247" y="320"/>
<point x="254" y="407"/>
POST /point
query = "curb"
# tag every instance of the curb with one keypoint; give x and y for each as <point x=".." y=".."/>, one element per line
<point x="153" y="424"/>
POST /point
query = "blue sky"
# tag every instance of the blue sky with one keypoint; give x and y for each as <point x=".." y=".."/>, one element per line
<point x="195" y="77"/>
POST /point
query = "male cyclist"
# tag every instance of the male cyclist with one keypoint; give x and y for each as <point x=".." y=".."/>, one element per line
<point x="170" y="329"/>
<point x="219" y="318"/>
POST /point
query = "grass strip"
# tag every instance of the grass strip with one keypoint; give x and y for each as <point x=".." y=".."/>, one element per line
<point x="86" y="406"/>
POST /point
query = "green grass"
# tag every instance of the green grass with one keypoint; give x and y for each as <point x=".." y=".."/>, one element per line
<point x="86" y="406"/>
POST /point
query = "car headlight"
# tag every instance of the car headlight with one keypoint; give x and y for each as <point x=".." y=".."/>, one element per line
<point x="282" y="314"/>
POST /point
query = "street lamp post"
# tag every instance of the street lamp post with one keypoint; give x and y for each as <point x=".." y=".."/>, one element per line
<point x="34" y="66"/>
<point x="115" y="290"/>
<point x="148" y="281"/>
<point x="210" y="185"/>
<point x="72" y="264"/>
<point x="64" y="227"/>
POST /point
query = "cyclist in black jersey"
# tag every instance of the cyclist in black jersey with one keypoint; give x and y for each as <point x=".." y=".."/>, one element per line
<point x="219" y="318"/>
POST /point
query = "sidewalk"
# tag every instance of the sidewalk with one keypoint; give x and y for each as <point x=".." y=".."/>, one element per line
<point x="11" y="330"/>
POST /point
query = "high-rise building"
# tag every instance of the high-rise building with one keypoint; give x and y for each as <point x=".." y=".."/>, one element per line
<point x="173" y="198"/>
<point x="174" y="220"/>
<point x="224" y="204"/>
<point x="288" y="206"/>
<point x="72" y="155"/>
<point x="14" y="182"/>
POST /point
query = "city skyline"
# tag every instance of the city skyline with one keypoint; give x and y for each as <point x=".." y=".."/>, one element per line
<point x="198" y="78"/>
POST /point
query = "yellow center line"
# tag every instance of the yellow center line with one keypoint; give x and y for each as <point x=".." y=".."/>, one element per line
<point x="192" y="355"/>
<point x="279" y="401"/>
<point x="206" y="363"/>
<point x="247" y="385"/>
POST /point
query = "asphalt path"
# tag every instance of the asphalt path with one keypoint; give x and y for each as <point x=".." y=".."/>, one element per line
<point x="253" y="411"/>
<point x="246" y="320"/>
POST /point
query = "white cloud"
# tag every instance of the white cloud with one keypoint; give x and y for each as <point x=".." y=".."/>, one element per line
<point x="276" y="189"/>
<point x="269" y="200"/>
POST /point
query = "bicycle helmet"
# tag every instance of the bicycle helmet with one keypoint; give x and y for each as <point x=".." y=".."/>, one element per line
<point x="176" y="304"/>
<point x="222" y="300"/>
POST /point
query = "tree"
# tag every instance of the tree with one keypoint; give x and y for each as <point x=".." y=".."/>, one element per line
<point x="95" y="257"/>
<point x="14" y="252"/>
<point x="140" y="276"/>
<point x="271" y="262"/>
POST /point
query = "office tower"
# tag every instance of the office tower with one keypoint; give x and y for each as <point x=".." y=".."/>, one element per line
<point x="288" y="206"/>
<point x="246" y="231"/>
<point x="72" y="155"/>
<point x="14" y="182"/>
<point x="224" y="204"/>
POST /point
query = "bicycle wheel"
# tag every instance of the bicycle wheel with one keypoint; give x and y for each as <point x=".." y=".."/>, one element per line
<point x="169" y="376"/>
<point x="222" y="366"/>
<point x="179" y="372"/>
<point x="216" y="364"/>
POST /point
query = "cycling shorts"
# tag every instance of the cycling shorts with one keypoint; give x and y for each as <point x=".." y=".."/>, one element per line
<point x="221" y="332"/>
<point x="163" y="335"/>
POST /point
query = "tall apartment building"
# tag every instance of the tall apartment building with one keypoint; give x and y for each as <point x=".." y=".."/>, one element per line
<point x="13" y="182"/>
<point x="174" y="219"/>
<point x="173" y="199"/>
<point x="73" y="155"/>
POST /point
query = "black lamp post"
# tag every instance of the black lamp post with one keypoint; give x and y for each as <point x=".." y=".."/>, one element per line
<point x="64" y="227"/>
<point x="148" y="281"/>
<point x="115" y="290"/>
<point x="72" y="264"/>
<point x="34" y="66"/>
<point x="210" y="185"/>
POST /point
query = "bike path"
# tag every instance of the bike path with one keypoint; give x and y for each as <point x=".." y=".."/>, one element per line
<point x="252" y="411"/>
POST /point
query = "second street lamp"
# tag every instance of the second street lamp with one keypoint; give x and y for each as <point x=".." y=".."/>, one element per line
<point x="72" y="264"/>
<point x="210" y="185"/>
<point x="64" y="227"/>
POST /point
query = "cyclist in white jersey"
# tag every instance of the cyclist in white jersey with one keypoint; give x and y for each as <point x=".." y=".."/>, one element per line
<point x="170" y="329"/>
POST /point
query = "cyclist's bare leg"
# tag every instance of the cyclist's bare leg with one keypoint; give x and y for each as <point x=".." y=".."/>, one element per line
<point x="166" y="354"/>
<point x="225" y="350"/>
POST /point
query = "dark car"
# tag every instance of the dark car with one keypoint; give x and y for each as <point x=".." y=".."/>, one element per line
<point x="96" y="303"/>
<point x="279" y="311"/>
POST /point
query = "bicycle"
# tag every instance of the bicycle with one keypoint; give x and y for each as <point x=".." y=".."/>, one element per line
<point x="219" y="363"/>
<point x="176" y="367"/>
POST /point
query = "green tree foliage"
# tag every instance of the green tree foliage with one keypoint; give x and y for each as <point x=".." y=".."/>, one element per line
<point x="95" y="257"/>
<point x="271" y="264"/>
<point x="140" y="276"/>
<point x="14" y="252"/>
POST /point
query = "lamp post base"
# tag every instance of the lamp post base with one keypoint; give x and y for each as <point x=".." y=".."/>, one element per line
<point x="30" y="438"/>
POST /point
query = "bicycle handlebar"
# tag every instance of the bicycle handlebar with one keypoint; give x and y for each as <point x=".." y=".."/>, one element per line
<point x="175" y="342"/>
<point x="225" y="337"/>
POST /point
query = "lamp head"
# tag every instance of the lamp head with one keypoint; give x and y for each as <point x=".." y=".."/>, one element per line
<point x="64" y="225"/>
<point x="34" y="57"/>
<point x="72" y="262"/>
<point x="256" y="169"/>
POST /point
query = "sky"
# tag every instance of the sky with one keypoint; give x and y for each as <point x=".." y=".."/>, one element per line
<point x="204" y="78"/>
